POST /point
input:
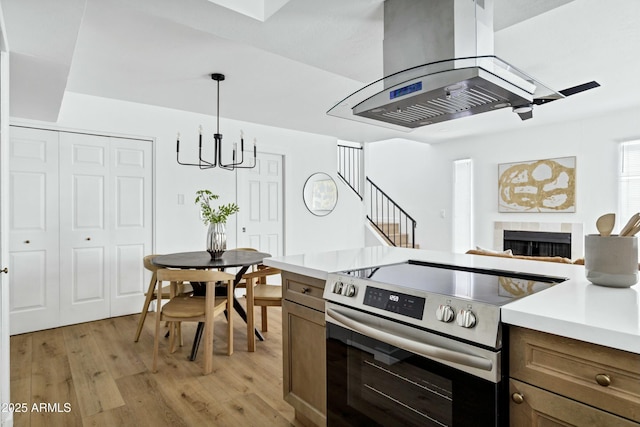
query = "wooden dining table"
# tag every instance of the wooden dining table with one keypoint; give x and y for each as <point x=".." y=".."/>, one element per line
<point x="240" y="259"/>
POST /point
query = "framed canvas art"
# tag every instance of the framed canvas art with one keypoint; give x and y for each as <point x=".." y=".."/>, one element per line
<point x="537" y="186"/>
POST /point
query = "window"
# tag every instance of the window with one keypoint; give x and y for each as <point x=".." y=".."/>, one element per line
<point x="629" y="181"/>
<point x="462" y="205"/>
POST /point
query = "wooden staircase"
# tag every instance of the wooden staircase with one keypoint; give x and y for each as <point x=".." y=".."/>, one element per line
<point x="390" y="233"/>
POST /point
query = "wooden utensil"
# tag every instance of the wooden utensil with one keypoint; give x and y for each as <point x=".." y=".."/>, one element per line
<point x="633" y="231"/>
<point x="605" y="224"/>
<point x="633" y="222"/>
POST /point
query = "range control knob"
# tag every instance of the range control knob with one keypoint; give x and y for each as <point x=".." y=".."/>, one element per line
<point x="351" y="290"/>
<point x="445" y="313"/>
<point x="337" y="287"/>
<point x="466" y="318"/>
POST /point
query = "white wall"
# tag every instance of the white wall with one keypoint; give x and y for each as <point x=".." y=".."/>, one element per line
<point x="178" y="227"/>
<point x="419" y="176"/>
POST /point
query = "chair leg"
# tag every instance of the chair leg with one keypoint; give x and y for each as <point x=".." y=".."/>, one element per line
<point x="156" y="343"/>
<point x="251" y="338"/>
<point x="230" y="320"/>
<point x="145" y="308"/>
<point x="263" y="317"/>
<point x="208" y="333"/>
<point x="172" y="336"/>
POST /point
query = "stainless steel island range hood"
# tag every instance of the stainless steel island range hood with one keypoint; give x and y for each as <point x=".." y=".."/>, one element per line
<point x="439" y="66"/>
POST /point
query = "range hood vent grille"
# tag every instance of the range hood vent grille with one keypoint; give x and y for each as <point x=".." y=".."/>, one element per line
<point x="458" y="103"/>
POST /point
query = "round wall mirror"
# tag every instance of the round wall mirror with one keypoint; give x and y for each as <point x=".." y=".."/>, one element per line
<point x="320" y="194"/>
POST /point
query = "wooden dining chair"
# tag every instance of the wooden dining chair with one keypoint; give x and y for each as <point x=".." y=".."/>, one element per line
<point x="194" y="309"/>
<point x="259" y="293"/>
<point x="242" y="283"/>
<point x="152" y="295"/>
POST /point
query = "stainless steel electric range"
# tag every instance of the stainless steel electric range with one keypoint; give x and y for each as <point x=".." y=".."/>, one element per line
<point x="419" y="343"/>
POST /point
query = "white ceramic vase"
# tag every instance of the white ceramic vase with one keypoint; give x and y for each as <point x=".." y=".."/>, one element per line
<point x="216" y="239"/>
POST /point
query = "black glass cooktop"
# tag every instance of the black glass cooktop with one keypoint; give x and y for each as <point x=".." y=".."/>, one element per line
<point x="489" y="286"/>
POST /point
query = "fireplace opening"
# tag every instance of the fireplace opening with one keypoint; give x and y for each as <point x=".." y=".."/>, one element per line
<point x="537" y="243"/>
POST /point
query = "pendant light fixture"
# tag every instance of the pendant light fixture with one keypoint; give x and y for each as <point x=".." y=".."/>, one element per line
<point x="237" y="159"/>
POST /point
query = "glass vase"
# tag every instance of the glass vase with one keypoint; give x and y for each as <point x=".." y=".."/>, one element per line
<point x="216" y="239"/>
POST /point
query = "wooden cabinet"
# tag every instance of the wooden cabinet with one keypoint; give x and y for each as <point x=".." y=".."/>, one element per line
<point x="304" y="348"/>
<point x="561" y="381"/>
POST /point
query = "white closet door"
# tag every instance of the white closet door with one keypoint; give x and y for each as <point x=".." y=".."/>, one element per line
<point x="259" y="193"/>
<point x="131" y="218"/>
<point x="33" y="230"/>
<point x="84" y="234"/>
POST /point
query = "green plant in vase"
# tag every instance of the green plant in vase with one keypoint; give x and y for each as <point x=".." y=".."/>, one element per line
<point x="216" y="218"/>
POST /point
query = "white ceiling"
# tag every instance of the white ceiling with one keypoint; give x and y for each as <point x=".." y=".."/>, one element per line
<point x="306" y="56"/>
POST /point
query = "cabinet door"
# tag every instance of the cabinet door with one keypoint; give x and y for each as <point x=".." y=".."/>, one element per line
<point x="532" y="406"/>
<point x="33" y="230"/>
<point x="599" y="376"/>
<point x="84" y="234"/>
<point x="304" y="361"/>
<point x="130" y="219"/>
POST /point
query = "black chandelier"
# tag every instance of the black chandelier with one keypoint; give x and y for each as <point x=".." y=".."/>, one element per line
<point x="237" y="161"/>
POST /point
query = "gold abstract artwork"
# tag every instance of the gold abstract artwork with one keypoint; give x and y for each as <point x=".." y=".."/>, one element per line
<point x="538" y="186"/>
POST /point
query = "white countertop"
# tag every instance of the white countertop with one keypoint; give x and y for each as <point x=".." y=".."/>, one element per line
<point x="574" y="309"/>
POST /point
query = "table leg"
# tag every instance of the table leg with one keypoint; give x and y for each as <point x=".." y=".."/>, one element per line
<point x="196" y="341"/>
<point x="237" y="307"/>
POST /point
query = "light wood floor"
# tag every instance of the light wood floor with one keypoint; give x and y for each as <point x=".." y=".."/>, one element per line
<point x="104" y="378"/>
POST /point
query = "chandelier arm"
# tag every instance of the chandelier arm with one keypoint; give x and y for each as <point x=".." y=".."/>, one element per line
<point x="240" y="162"/>
<point x="239" y="165"/>
<point x="178" y="156"/>
<point x="205" y="164"/>
<point x="248" y="166"/>
<point x="233" y="160"/>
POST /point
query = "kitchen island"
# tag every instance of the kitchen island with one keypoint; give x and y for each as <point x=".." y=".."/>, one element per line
<point x="575" y="309"/>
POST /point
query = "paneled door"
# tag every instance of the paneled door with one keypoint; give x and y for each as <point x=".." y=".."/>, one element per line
<point x="131" y="218"/>
<point x="33" y="229"/>
<point x="84" y="230"/>
<point x="105" y="225"/>
<point x="259" y="193"/>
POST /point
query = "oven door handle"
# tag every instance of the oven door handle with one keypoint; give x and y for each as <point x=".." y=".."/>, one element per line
<point x="409" y="344"/>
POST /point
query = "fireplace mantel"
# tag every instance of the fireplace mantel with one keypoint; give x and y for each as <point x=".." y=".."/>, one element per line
<point x="576" y="230"/>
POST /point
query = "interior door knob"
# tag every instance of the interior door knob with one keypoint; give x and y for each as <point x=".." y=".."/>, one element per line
<point x="27" y="241"/>
<point x="88" y="238"/>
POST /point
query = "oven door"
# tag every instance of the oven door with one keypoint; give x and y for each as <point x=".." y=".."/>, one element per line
<point x="374" y="383"/>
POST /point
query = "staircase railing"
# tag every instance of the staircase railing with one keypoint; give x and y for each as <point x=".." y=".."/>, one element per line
<point x="396" y="225"/>
<point x="350" y="167"/>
